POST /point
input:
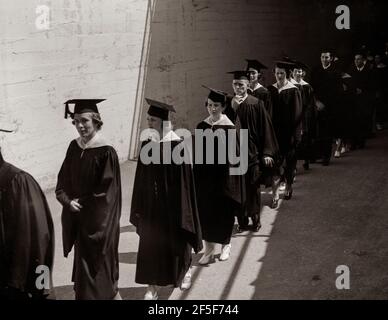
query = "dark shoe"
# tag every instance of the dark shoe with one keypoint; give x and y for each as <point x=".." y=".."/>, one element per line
<point x="352" y="147"/>
<point x="275" y="203"/>
<point x="306" y="166"/>
<point x="241" y="229"/>
<point x="256" y="227"/>
<point x="288" y="194"/>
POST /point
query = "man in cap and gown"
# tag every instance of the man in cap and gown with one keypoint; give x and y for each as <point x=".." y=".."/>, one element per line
<point x="381" y="75"/>
<point x="286" y="118"/>
<point x="26" y="235"/>
<point x="247" y="112"/>
<point x="364" y="91"/>
<point x="89" y="189"/>
<point x="256" y="89"/>
<point x="309" y="114"/>
<point x="164" y="209"/>
<point x="327" y="84"/>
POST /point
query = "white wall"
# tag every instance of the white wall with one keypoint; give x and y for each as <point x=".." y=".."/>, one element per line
<point x="93" y="49"/>
<point x="105" y="48"/>
<point x="196" y="42"/>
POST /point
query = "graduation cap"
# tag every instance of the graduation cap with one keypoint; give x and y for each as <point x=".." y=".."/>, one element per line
<point x="329" y="49"/>
<point x="284" y="65"/>
<point x="159" y="109"/>
<point x="255" y="64"/>
<point x="216" y="95"/>
<point x="239" y="75"/>
<point x="288" y="59"/>
<point x="345" y="75"/>
<point x="82" y="106"/>
<point x="361" y="52"/>
<point x="300" y="65"/>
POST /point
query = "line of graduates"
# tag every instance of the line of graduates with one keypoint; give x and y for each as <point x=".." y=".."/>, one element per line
<point x="178" y="208"/>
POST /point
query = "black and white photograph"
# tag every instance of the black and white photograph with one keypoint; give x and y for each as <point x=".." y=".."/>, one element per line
<point x="198" y="150"/>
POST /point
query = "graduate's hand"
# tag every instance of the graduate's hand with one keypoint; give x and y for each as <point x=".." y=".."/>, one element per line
<point x="75" y="206"/>
<point x="268" y="161"/>
<point x="320" y="105"/>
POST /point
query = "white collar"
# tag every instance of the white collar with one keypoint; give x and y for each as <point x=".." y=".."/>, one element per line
<point x="288" y="85"/>
<point x="360" y="69"/>
<point x="223" y="121"/>
<point x="326" y="67"/>
<point x="242" y="98"/>
<point x="302" y="82"/>
<point x="257" y="86"/>
<point x="170" y="136"/>
<point x="96" y="142"/>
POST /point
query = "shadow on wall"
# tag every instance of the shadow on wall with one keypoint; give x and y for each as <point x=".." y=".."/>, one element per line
<point x="139" y="100"/>
<point x="190" y="43"/>
<point x="193" y="42"/>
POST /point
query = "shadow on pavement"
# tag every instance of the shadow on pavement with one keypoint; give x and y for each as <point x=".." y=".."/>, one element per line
<point x="129" y="228"/>
<point x="137" y="293"/>
<point x="128" y="257"/>
<point x="64" y="292"/>
<point x="337" y="217"/>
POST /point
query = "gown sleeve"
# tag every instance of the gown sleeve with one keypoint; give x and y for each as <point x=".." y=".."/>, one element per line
<point x="104" y="209"/>
<point x="266" y="135"/>
<point x="298" y="116"/>
<point x="190" y="223"/>
<point x="63" y="182"/>
<point x="68" y="218"/>
<point x="32" y="242"/>
<point x="137" y="202"/>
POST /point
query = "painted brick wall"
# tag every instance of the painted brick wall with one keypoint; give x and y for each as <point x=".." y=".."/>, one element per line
<point x="97" y="48"/>
<point x="92" y="50"/>
<point x="196" y="42"/>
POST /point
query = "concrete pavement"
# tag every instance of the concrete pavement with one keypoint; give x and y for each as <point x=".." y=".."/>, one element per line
<point x="338" y="216"/>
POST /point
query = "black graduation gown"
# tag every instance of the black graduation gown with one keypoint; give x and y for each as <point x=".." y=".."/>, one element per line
<point x="328" y="89"/>
<point x="26" y="233"/>
<point x="381" y="75"/>
<point x="309" y="120"/>
<point x="92" y="175"/>
<point x="348" y="108"/>
<point x="251" y="115"/>
<point x="219" y="195"/>
<point x="262" y="94"/>
<point x="364" y="101"/>
<point x="286" y="116"/>
<point x="164" y="212"/>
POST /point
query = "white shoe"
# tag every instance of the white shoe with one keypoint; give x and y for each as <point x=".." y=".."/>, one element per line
<point x="343" y="150"/>
<point x="337" y="154"/>
<point x="151" y="294"/>
<point x="282" y="186"/>
<point x="225" y="254"/>
<point x="186" y="282"/>
<point x="117" y="296"/>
